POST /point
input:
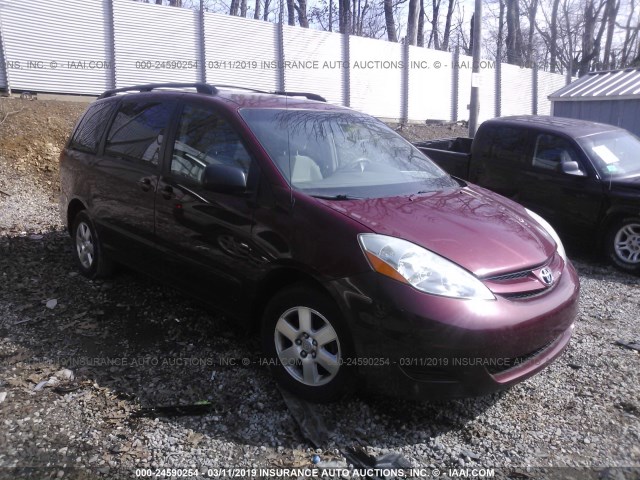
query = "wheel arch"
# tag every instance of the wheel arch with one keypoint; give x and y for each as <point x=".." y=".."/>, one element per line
<point x="75" y="207"/>
<point x="612" y="216"/>
<point x="275" y="281"/>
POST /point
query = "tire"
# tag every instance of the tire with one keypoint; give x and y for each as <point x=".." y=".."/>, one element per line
<point x="622" y="244"/>
<point x="307" y="360"/>
<point x="87" y="249"/>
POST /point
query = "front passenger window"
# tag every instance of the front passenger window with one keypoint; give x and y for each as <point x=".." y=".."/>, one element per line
<point x="205" y="138"/>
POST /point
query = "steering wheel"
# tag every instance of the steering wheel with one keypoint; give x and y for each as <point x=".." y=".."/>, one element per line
<point x="361" y="162"/>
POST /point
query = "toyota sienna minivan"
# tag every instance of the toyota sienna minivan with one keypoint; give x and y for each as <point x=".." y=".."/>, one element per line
<point x="360" y="262"/>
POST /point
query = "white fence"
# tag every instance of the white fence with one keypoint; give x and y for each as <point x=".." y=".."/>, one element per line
<point x="88" y="46"/>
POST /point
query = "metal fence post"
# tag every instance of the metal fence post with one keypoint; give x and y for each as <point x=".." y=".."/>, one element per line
<point x="498" y="88"/>
<point x="455" y="58"/>
<point x="110" y="33"/>
<point x="280" y="48"/>
<point x="202" y="50"/>
<point x="346" y="70"/>
<point x="404" y="86"/>
<point x="3" y="63"/>
<point x="534" y="89"/>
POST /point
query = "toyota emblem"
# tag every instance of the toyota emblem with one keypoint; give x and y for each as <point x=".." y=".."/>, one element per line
<point x="546" y="275"/>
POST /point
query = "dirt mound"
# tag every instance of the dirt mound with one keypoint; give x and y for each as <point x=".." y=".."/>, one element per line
<point x="33" y="133"/>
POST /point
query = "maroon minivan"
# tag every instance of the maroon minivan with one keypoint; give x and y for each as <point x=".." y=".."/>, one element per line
<point x="356" y="258"/>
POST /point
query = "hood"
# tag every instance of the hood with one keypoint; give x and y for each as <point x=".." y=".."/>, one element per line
<point x="477" y="229"/>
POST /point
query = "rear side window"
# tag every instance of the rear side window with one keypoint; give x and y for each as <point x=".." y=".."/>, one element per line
<point x="205" y="138"/>
<point x="138" y="130"/>
<point x="91" y="127"/>
<point x="506" y="144"/>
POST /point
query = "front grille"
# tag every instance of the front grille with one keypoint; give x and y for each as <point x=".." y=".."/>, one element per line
<point x="509" y="276"/>
<point x="523" y="295"/>
<point x="517" y="361"/>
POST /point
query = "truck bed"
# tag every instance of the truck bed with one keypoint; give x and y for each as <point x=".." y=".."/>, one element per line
<point x="451" y="154"/>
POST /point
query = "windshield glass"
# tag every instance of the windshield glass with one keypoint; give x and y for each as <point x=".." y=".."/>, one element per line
<point x="614" y="154"/>
<point x="343" y="154"/>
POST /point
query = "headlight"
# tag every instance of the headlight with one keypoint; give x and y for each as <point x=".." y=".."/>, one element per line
<point x="549" y="229"/>
<point x="421" y="268"/>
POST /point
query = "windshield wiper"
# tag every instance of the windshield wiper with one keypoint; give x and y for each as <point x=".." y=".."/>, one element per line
<point x="339" y="196"/>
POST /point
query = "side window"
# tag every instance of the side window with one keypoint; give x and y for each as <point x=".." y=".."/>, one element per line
<point x="552" y="151"/>
<point x="138" y="130"/>
<point x="205" y="138"/>
<point x="91" y="127"/>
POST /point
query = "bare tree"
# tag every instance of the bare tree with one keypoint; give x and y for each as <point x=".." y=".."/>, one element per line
<point x="421" y="17"/>
<point x="256" y="10"/>
<point x="265" y="15"/>
<point x="514" y="34"/>
<point x="390" y="21"/>
<point x="301" y="8"/>
<point x="612" y="12"/>
<point x="412" y="22"/>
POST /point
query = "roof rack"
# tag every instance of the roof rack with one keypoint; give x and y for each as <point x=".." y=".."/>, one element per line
<point x="200" y="88"/>
<point x="310" y="96"/>
<point x="206" y="89"/>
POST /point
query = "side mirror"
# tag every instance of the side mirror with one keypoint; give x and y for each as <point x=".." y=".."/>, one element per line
<point x="572" y="168"/>
<point x="224" y="179"/>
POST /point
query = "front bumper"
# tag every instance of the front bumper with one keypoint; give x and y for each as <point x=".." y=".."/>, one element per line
<point x="415" y="345"/>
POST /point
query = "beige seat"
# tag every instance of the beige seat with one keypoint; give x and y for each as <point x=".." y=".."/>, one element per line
<point x="305" y="170"/>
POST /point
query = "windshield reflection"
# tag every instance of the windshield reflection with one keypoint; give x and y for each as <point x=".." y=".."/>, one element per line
<point x="343" y="154"/>
<point x="614" y="154"/>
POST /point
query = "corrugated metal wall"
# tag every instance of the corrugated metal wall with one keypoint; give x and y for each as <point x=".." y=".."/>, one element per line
<point x="429" y="72"/>
<point x="464" y="65"/>
<point x="547" y="84"/>
<point x="376" y="77"/>
<point x="86" y="47"/>
<point x="487" y="91"/>
<point x="516" y="87"/>
<point x="56" y="46"/>
<point x="234" y="46"/>
<point x="154" y="43"/>
<point x="316" y="62"/>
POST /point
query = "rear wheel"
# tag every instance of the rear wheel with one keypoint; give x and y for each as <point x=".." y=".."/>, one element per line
<point x="87" y="248"/>
<point x="306" y="341"/>
<point x="623" y="244"/>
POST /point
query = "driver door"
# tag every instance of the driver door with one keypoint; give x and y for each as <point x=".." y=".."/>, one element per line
<point x="205" y="236"/>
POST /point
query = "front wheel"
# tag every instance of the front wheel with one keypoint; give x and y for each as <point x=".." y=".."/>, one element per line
<point x="87" y="248"/>
<point x="306" y="342"/>
<point x="623" y="244"/>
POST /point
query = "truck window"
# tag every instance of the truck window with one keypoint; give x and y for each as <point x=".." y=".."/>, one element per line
<point x="552" y="151"/>
<point x="503" y="144"/>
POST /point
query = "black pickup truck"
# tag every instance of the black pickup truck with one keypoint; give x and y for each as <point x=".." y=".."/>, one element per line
<point x="583" y="177"/>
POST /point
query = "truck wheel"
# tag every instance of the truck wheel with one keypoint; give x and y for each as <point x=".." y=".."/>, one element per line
<point x="623" y="244"/>
<point x="305" y="340"/>
<point x="88" y="250"/>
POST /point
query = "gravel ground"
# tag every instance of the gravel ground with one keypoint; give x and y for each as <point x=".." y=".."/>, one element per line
<point x="113" y="350"/>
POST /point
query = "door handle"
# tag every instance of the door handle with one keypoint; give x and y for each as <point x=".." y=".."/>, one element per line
<point x="167" y="192"/>
<point x="145" y="184"/>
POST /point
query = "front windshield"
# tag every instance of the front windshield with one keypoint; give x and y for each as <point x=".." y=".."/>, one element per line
<point x="615" y="154"/>
<point x="343" y="154"/>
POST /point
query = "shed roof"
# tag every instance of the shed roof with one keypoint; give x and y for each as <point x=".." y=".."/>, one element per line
<point x="609" y="85"/>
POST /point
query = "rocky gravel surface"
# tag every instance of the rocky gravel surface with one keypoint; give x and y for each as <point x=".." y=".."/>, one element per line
<point x="100" y="378"/>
